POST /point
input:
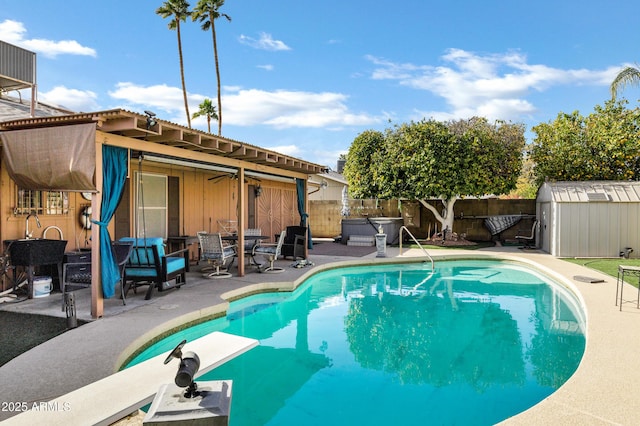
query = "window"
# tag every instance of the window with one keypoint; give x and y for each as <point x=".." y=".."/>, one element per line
<point x="41" y="202"/>
<point x="151" y="205"/>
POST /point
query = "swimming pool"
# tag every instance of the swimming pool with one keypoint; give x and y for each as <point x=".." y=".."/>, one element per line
<point x="473" y="342"/>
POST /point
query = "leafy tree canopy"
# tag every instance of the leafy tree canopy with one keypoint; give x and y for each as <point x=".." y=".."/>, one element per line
<point x="430" y="159"/>
<point x="603" y="146"/>
<point x="358" y="169"/>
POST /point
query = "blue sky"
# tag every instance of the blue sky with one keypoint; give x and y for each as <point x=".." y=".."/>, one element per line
<point x="305" y="78"/>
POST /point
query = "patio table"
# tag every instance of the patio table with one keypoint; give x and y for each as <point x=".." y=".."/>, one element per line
<point x="234" y="238"/>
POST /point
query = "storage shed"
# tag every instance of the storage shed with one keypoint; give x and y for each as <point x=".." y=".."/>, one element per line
<point x="589" y="219"/>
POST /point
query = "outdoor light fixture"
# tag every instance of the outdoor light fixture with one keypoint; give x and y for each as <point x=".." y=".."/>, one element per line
<point x="189" y="365"/>
<point x="151" y="121"/>
<point x="258" y="191"/>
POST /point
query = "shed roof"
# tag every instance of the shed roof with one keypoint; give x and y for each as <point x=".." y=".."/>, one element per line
<point x="594" y="191"/>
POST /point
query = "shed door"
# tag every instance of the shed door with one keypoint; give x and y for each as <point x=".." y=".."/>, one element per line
<point x="544" y="232"/>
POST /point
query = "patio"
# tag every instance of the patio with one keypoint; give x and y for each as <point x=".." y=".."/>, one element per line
<point x="601" y="392"/>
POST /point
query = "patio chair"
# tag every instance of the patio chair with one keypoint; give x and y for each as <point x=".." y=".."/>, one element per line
<point x="295" y="241"/>
<point x="76" y="271"/>
<point x="529" y="240"/>
<point x="216" y="254"/>
<point x="121" y="253"/>
<point x="271" y="252"/>
<point x="148" y="264"/>
<point x="250" y="244"/>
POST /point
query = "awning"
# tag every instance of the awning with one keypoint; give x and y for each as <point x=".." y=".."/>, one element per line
<point x="58" y="158"/>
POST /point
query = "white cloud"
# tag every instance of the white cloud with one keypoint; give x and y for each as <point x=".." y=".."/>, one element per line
<point x="166" y="98"/>
<point x="495" y="86"/>
<point x="278" y="109"/>
<point x="265" y="42"/>
<point x="286" y="109"/>
<point x="14" y="32"/>
<point x="73" y="99"/>
<point x="267" y="67"/>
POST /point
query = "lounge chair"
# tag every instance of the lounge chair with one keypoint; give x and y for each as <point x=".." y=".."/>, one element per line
<point x="148" y="264"/>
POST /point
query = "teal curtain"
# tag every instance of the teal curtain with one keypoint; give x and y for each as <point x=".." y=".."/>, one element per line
<point x="303" y="214"/>
<point x="114" y="172"/>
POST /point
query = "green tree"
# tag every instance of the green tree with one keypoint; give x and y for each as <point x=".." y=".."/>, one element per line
<point x="603" y="146"/>
<point x="434" y="160"/>
<point x="628" y="76"/>
<point x="357" y="168"/>
<point x="178" y="10"/>
<point x="207" y="11"/>
<point x="207" y="109"/>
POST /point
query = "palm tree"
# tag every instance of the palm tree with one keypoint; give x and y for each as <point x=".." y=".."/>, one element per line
<point x="629" y="75"/>
<point x="207" y="11"/>
<point x="207" y="109"/>
<point x="179" y="11"/>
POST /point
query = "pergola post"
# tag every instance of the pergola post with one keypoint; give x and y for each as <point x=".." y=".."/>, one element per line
<point x="97" y="299"/>
<point x="242" y="205"/>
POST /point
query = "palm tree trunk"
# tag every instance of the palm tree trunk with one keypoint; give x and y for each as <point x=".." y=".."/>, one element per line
<point x="215" y="55"/>
<point x="184" y="87"/>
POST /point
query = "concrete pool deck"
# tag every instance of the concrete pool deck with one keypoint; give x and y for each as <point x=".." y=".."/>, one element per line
<point x="602" y="391"/>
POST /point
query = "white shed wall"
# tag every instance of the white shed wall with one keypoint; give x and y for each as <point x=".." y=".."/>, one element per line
<point x="594" y="229"/>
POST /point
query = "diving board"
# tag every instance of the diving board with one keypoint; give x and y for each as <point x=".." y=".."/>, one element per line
<point x="122" y="393"/>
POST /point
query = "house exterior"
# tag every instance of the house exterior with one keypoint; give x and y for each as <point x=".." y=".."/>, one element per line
<point x="327" y="186"/>
<point x="179" y="181"/>
<point x="589" y="219"/>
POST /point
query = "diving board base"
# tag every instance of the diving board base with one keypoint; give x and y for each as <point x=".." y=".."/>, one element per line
<point x="211" y="406"/>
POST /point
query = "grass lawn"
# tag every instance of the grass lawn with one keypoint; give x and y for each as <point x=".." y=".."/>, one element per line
<point x="607" y="266"/>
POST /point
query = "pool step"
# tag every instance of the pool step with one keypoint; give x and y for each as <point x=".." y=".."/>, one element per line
<point x="361" y="240"/>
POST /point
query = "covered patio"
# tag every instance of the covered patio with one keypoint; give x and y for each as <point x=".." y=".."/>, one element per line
<point x="118" y="164"/>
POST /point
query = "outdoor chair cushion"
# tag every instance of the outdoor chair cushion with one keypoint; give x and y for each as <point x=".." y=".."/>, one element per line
<point x="228" y="251"/>
<point x="265" y="250"/>
<point x="174" y="264"/>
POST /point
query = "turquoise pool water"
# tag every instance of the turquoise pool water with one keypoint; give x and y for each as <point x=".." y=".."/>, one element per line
<point x="473" y="342"/>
